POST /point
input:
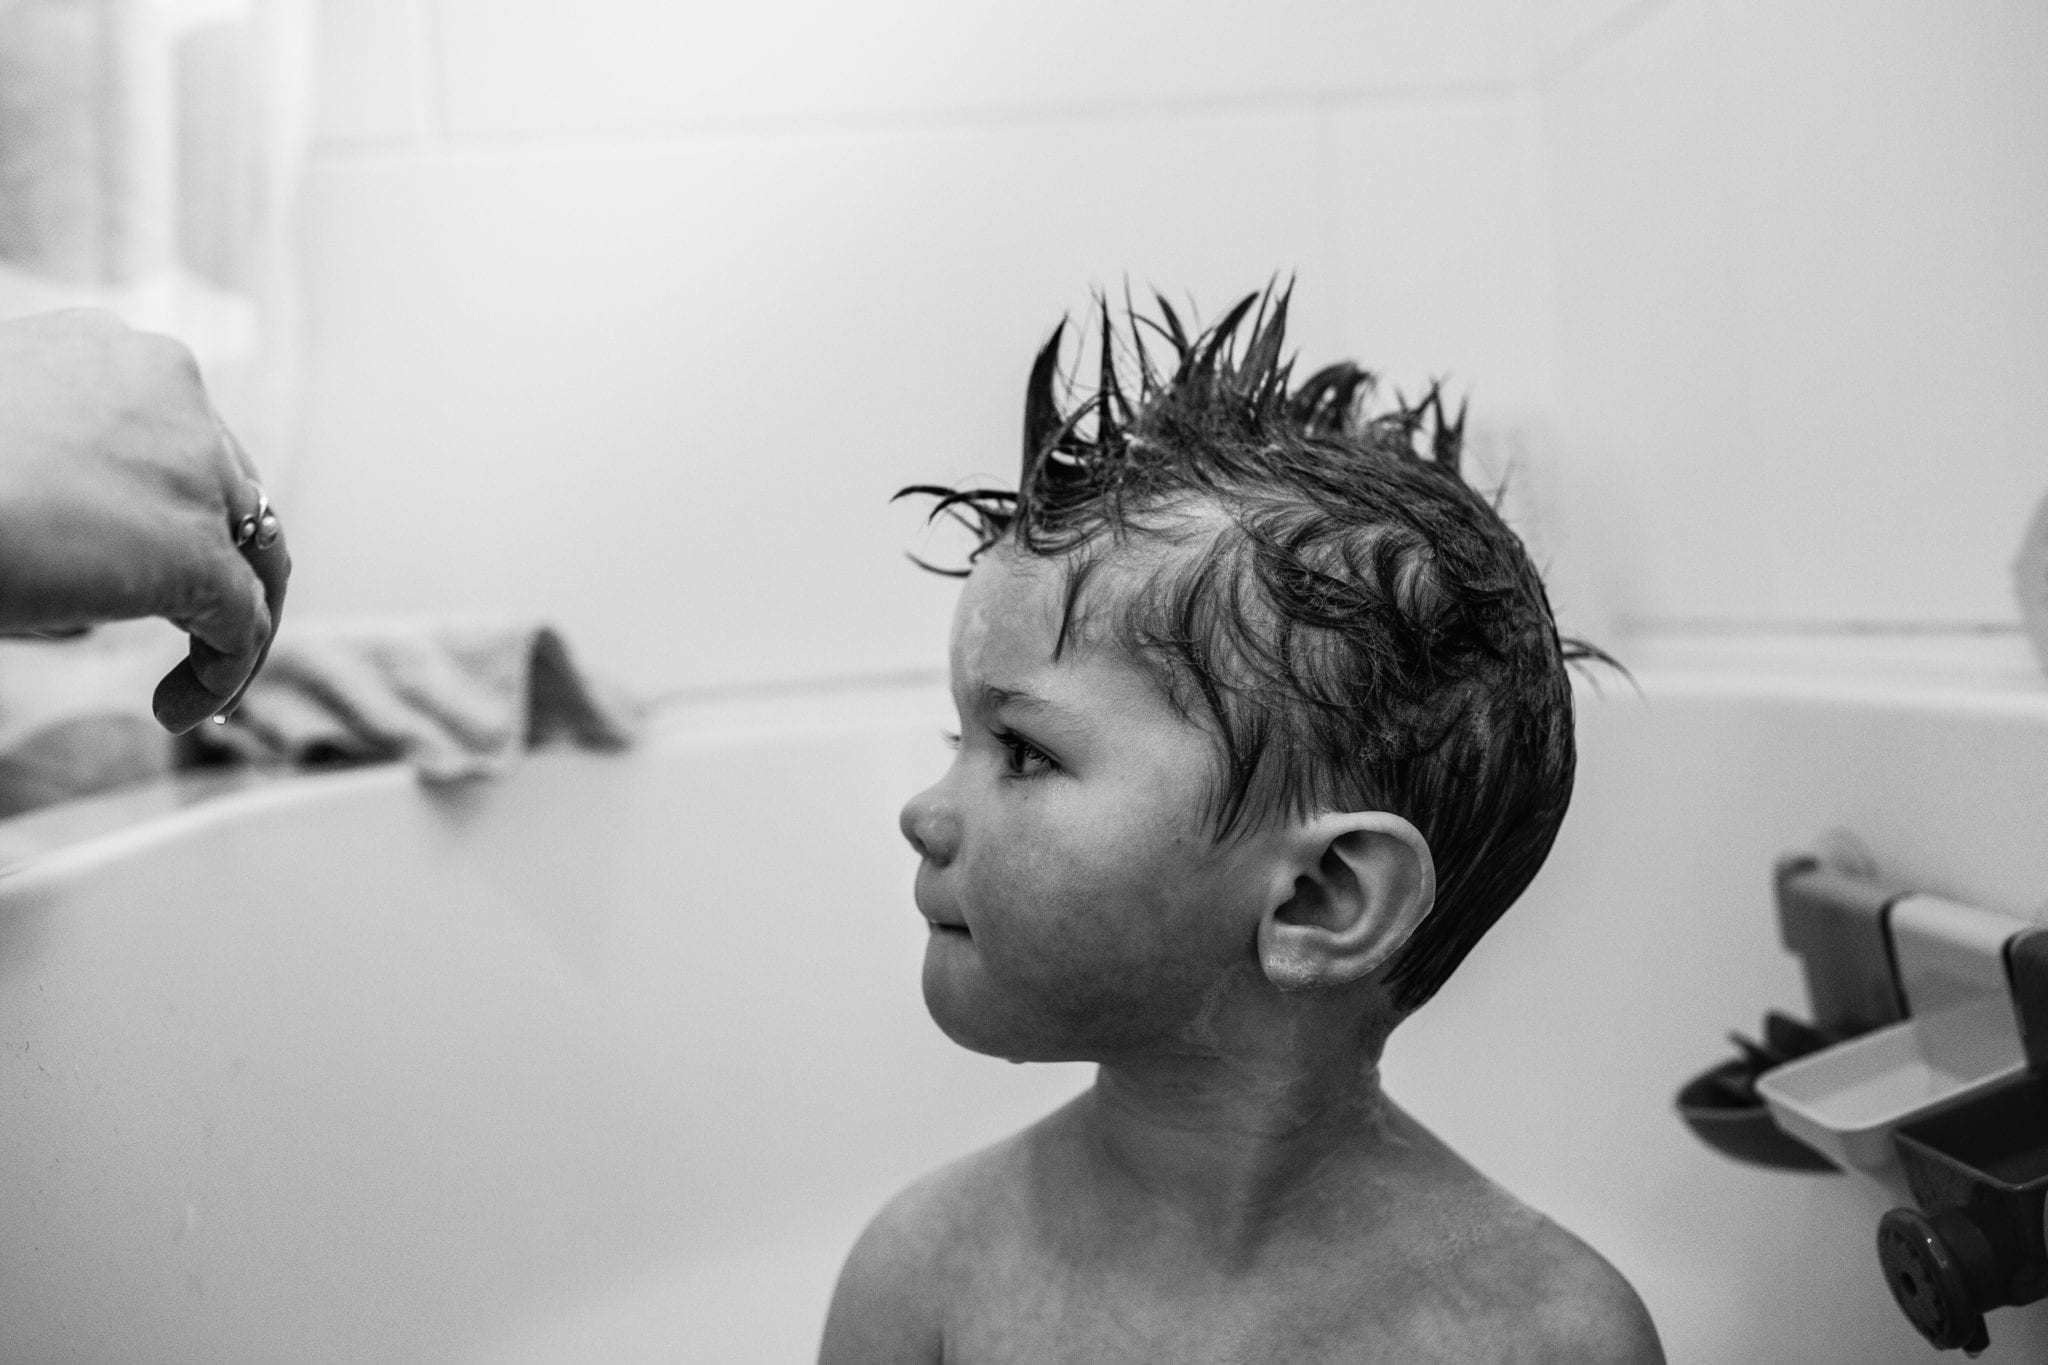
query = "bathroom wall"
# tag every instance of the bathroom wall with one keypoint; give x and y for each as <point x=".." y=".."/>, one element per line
<point x="1800" y="257"/>
<point x="633" y="314"/>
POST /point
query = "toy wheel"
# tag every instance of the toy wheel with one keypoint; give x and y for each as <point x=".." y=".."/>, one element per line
<point x="1928" y="1281"/>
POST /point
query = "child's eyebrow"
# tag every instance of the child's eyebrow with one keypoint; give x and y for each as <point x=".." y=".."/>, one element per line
<point x="996" y="698"/>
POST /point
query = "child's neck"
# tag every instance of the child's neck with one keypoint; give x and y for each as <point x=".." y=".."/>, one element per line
<point x="1235" y="1148"/>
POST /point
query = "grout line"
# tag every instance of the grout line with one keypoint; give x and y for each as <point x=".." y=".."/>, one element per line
<point x="439" y="138"/>
<point x="430" y="92"/>
<point x="1608" y="31"/>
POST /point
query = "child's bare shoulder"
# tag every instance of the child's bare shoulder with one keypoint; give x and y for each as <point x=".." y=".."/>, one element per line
<point x="1588" y="1312"/>
<point x="1526" y="1289"/>
<point x="1464" y="1271"/>
<point x="891" y="1299"/>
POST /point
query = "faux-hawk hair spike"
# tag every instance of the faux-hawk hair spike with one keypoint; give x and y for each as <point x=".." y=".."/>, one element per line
<point x="1238" y="371"/>
<point x="1356" y="626"/>
<point x="1042" y="420"/>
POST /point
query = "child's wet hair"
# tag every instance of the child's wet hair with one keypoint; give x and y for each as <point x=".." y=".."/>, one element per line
<point x="1353" y="621"/>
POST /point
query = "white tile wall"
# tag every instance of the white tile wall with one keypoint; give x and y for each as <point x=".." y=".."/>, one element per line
<point x="1562" y="31"/>
<point x="1802" y="284"/>
<point x="1649" y="334"/>
<point x="524" y="66"/>
<point x="1891" y="218"/>
<point x="661" y="392"/>
<point x="1438" y="251"/>
<point x="372" y="76"/>
<point x="632" y="313"/>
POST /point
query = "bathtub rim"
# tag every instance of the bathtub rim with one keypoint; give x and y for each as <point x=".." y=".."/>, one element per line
<point x="47" y="845"/>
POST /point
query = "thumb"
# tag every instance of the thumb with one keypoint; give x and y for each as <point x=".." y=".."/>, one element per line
<point x="231" y="626"/>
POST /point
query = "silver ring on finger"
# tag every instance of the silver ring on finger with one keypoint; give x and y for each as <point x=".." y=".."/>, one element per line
<point x="260" y="528"/>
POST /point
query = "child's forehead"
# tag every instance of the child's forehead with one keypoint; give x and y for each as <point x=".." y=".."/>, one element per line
<point x="1034" y="623"/>
<point x="1052" y="607"/>
<point x="1026" y="625"/>
<point x="1010" y="614"/>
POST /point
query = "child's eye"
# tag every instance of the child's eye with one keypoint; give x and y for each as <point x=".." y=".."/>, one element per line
<point x="951" y="738"/>
<point x="1024" y="759"/>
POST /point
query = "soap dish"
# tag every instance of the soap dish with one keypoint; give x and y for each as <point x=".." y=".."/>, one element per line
<point x="1845" y="1102"/>
<point x="1723" y="1110"/>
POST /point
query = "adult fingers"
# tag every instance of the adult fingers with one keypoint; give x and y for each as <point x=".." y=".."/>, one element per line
<point x="181" y="701"/>
<point x="232" y="632"/>
<point x="239" y="597"/>
<point x="272" y="561"/>
<point x="229" y="631"/>
<point x="261" y="539"/>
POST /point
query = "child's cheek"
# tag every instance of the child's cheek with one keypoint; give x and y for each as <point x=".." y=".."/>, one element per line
<point x="1042" y="901"/>
<point x="1023" y="891"/>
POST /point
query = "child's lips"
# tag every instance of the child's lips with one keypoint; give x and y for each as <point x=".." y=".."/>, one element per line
<point x="943" y="918"/>
<point x="944" y="924"/>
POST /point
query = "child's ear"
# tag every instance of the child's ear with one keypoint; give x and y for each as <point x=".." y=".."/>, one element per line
<point x="1363" y="882"/>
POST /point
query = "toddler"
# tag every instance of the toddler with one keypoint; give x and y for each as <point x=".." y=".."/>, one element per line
<point x="1264" y="720"/>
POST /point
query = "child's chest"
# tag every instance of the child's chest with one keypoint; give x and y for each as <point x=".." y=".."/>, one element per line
<point x="1025" y="1307"/>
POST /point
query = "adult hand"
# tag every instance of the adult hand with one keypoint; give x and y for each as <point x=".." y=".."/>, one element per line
<point x="123" y="495"/>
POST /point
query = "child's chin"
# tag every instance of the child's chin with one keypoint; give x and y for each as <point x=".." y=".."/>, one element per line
<point x="980" y="1031"/>
<point x="959" y="1002"/>
<point x="952" y="1005"/>
<point x="996" y="1020"/>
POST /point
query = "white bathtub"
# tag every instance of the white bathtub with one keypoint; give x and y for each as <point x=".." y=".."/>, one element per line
<point x="610" y="1061"/>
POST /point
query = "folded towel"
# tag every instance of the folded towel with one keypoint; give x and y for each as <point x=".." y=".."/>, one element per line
<point x="458" y="699"/>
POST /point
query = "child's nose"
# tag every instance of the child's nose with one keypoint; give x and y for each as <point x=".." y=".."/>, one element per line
<point x="932" y="828"/>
